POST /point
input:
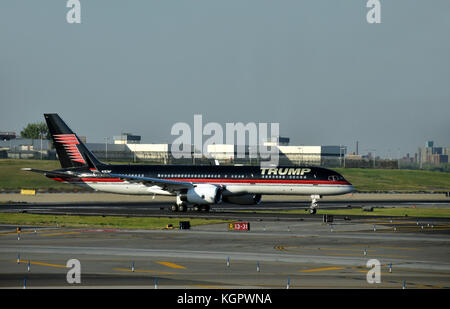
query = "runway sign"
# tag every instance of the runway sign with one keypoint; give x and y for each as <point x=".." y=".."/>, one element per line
<point x="242" y="226"/>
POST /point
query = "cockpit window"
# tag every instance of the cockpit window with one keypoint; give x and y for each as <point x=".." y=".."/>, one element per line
<point x="335" y="178"/>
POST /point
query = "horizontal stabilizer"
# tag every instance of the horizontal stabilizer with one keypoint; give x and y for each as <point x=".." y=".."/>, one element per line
<point x="47" y="173"/>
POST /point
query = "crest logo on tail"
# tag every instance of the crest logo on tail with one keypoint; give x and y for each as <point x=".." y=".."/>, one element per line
<point x="70" y="142"/>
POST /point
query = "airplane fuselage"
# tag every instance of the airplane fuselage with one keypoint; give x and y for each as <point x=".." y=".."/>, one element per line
<point x="290" y="180"/>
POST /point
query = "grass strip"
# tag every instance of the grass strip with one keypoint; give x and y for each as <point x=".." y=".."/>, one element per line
<point x="392" y="212"/>
<point x="377" y="180"/>
<point x="384" y="211"/>
<point x="98" y="221"/>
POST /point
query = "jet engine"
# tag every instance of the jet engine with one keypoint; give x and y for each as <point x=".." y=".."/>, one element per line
<point x="202" y="194"/>
<point x="247" y="199"/>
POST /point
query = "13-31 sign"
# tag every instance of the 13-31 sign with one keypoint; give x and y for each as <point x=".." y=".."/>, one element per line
<point x="241" y="226"/>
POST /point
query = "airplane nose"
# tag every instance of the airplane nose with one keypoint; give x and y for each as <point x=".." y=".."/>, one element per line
<point x="350" y="188"/>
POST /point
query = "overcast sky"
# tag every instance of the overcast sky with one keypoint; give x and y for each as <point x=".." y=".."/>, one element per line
<point x="317" y="67"/>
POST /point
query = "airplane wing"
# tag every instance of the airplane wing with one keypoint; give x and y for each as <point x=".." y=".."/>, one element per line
<point x="167" y="185"/>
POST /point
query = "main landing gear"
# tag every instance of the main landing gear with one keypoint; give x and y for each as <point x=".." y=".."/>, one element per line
<point x="183" y="208"/>
<point x="204" y="208"/>
<point x="178" y="208"/>
<point x="314" y="204"/>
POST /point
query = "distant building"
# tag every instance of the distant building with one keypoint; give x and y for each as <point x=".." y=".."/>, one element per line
<point x="353" y="156"/>
<point x="314" y="155"/>
<point x="280" y="141"/>
<point x="6" y="136"/>
<point x="25" y="148"/>
<point x="127" y="138"/>
<point x="408" y="158"/>
<point x="130" y="152"/>
<point x="432" y="155"/>
<point x="222" y="152"/>
<point x="277" y="141"/>
<point x="438" y="159"/>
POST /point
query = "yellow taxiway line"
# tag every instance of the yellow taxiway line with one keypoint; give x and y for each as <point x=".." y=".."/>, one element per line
<point x="144" y="271"/>
<point x="42" y="264"/>
<point x="321" y="269"/>
<point x="171" y="265"/>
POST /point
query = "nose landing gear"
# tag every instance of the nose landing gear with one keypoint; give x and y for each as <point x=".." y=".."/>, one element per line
<point x="314" y="204"/>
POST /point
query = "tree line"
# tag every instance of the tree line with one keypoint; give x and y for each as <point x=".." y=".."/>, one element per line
<point x="36" y="131"/>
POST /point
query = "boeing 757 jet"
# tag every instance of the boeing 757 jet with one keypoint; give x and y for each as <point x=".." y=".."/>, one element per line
<point x="196" y="186"/>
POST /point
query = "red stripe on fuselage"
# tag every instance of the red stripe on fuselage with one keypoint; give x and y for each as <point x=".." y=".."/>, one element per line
<point x="92" y="179"/>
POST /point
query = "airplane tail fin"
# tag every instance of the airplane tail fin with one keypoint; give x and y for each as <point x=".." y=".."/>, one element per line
<point x="70" y="149"/>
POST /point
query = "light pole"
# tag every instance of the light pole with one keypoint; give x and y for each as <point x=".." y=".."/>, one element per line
<point x="342" y="148"/>
<point x="106" y="148"/>
<point x="374" y="155"/>
<point x="40" y="136"/>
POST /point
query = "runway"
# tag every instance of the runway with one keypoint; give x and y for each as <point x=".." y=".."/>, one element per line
<point x="278" y="252"/>
<point x="116" y="205"/>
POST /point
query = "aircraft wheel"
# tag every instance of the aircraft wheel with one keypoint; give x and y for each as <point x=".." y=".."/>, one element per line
<point x="182" y="207"/>
<point x="312" y="211"/>
<point x="173" y="208"/>
<point x="206" y="208"/>
<point x="196" y="208"/>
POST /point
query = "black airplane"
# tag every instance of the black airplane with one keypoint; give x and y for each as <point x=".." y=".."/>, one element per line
<point x="193" y="185"/>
